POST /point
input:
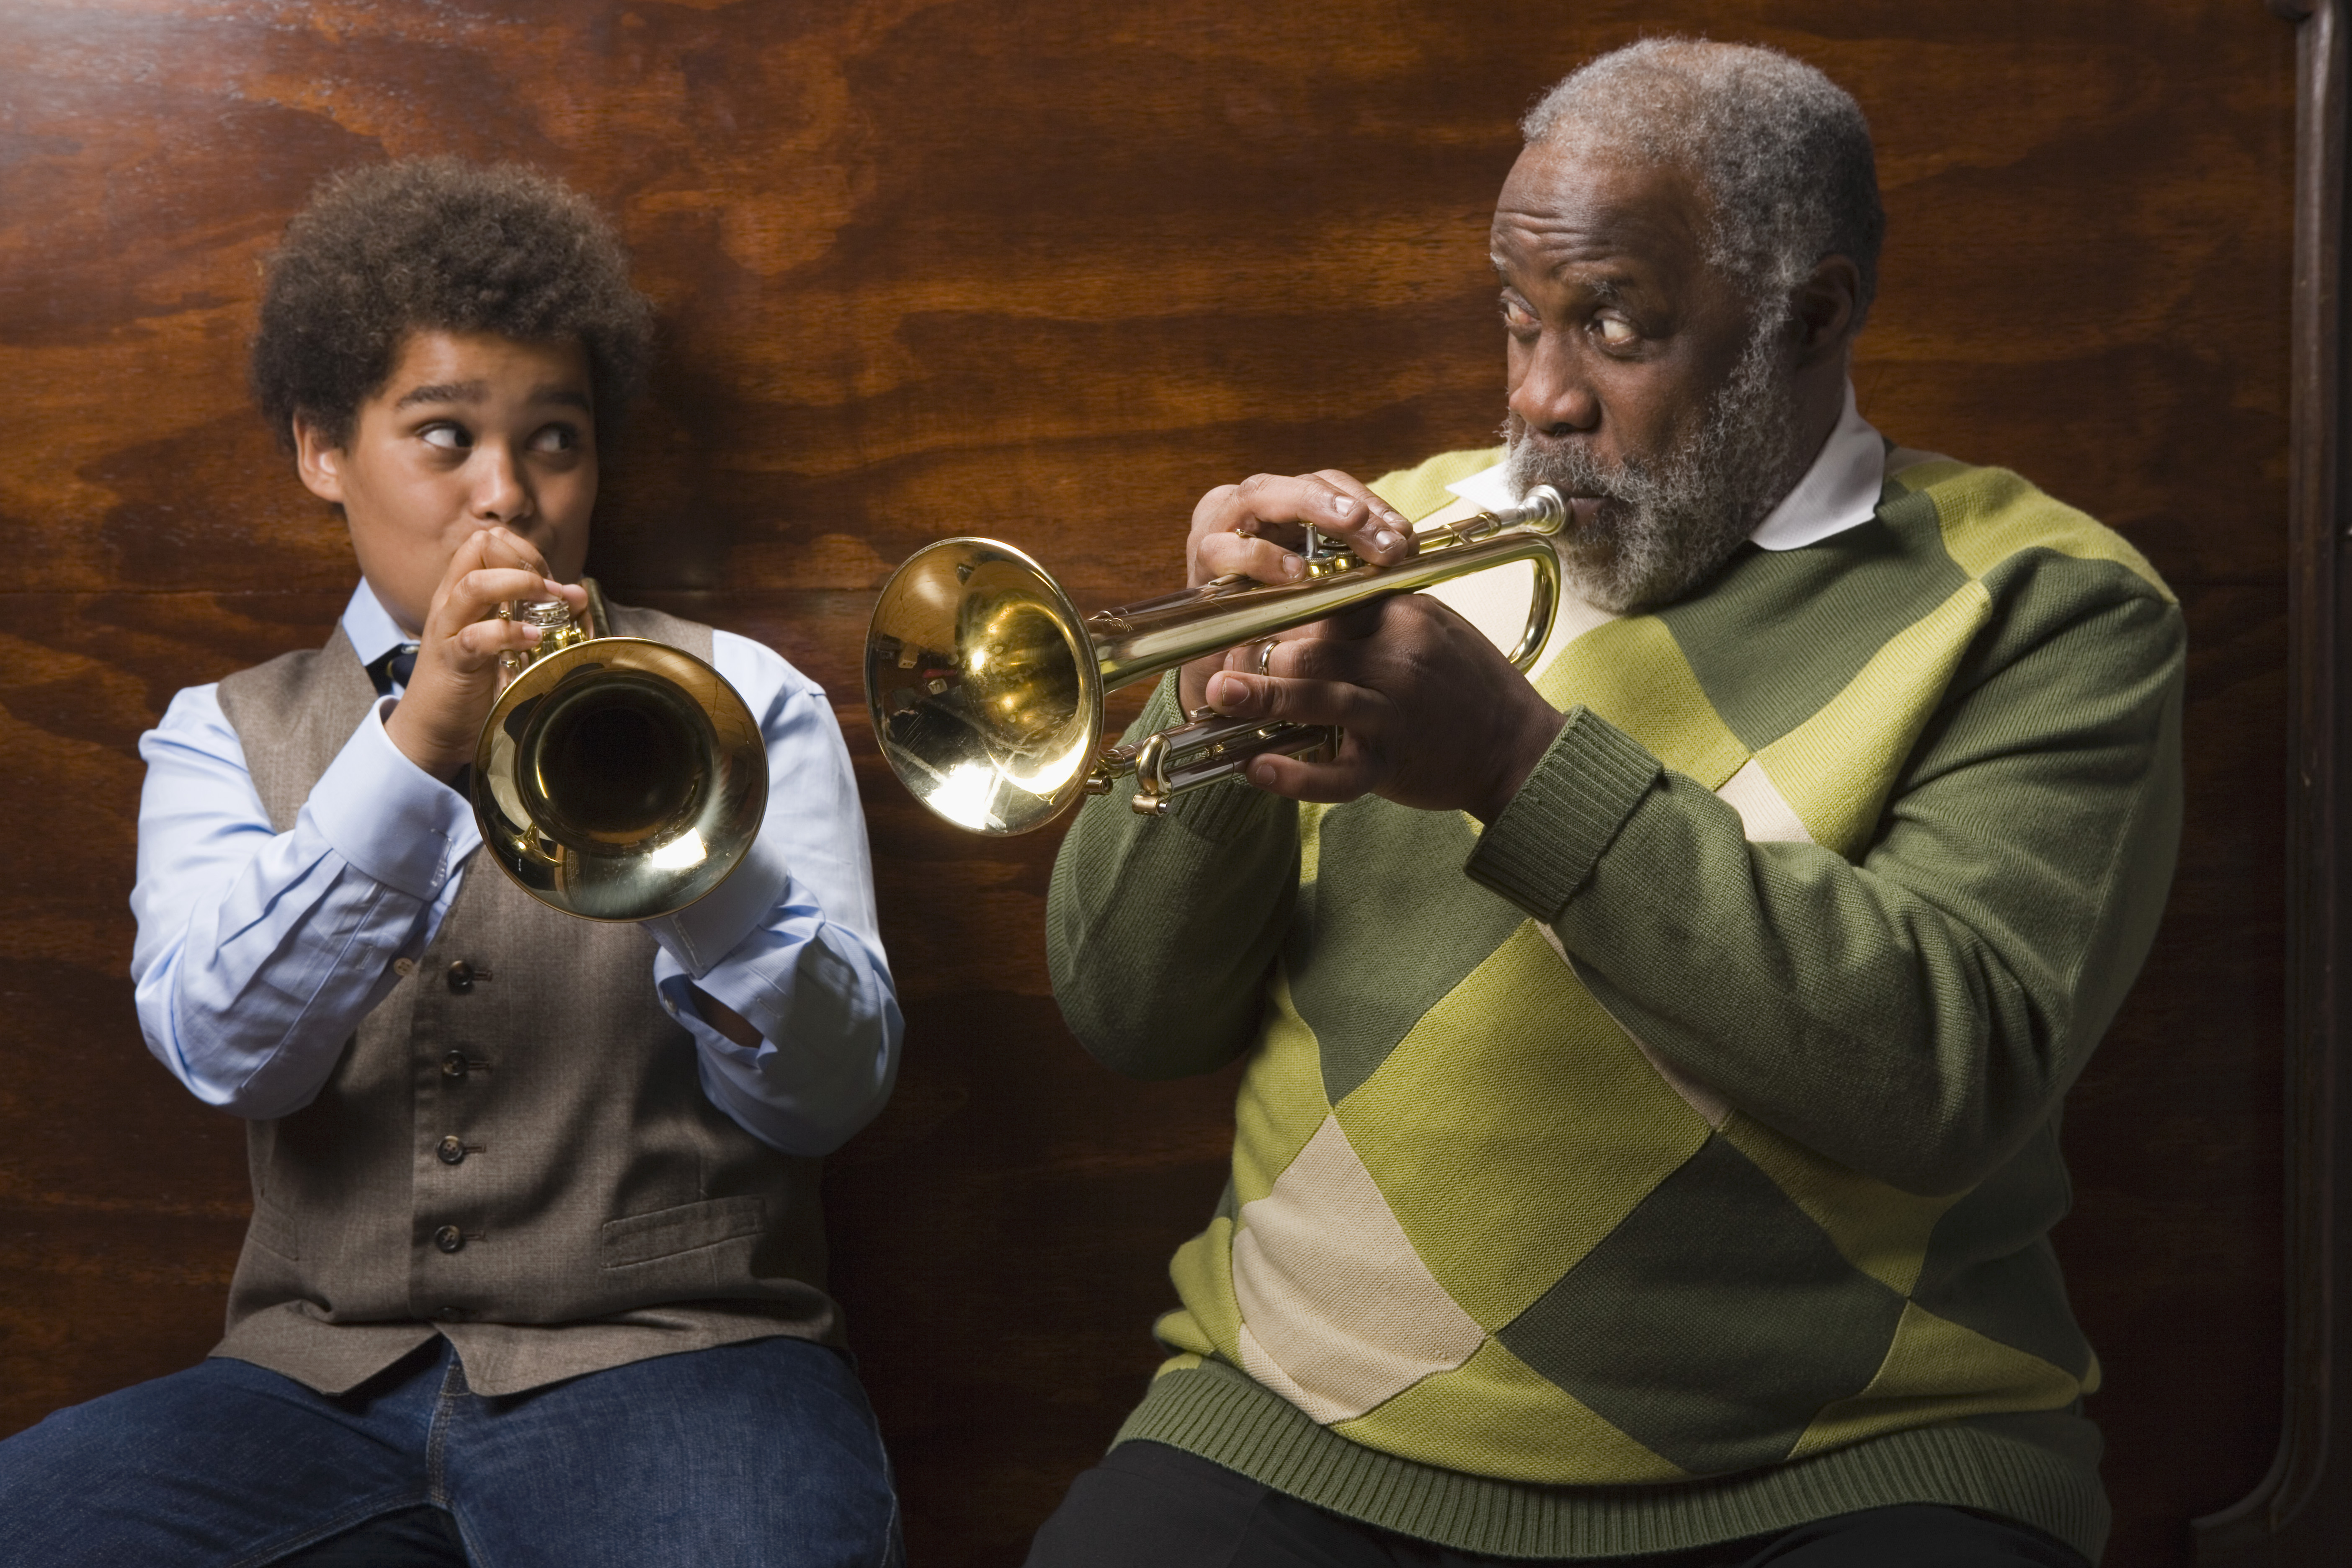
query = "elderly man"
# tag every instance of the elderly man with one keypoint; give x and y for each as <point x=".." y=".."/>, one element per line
<point x="1649" y="1136"/>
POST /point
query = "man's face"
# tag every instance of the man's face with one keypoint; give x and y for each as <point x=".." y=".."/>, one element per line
<point x="469" y="431"/>
<point x="1638" y="373"/>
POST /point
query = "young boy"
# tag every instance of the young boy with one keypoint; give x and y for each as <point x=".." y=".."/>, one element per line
<point x="535" y="1266"/>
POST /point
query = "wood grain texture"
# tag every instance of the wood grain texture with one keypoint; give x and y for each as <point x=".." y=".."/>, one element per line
<point x="1046" y="271"/>
<point x="2301" y="1514"/>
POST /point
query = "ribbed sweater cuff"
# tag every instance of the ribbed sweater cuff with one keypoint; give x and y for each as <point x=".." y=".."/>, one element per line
<point x="1538" y="851"/>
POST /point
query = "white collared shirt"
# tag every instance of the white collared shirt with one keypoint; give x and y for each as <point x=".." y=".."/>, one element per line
<point x="258" y="952"/>
<point x="1839" y="492"/>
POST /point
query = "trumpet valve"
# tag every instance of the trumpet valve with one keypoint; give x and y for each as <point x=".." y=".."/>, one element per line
<point x="557" y="629"/>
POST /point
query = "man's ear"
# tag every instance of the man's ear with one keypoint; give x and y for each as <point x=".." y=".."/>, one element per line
<point x="1826" y="309"/>
<point x="318" y="464"/>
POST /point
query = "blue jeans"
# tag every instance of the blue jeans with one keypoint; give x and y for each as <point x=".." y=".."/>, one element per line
<point x="757" y="1454"/>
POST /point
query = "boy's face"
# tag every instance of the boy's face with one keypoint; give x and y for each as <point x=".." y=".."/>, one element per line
<point x="470" y="430"/>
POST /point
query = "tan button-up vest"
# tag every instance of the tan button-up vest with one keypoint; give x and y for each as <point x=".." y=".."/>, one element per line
<point x="514" y="1150"/>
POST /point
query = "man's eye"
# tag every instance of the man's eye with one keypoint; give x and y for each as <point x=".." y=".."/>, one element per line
<point x="555" y="438"/>
<point x="1517" y="317"/>
<point x="449" y="437"/>
<point x="1616" y="332"/>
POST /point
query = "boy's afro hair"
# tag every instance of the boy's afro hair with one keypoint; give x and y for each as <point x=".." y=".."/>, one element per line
<point x="439" y="244"/>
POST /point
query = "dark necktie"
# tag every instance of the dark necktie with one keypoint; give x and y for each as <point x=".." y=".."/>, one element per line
<point x="394" y="669"/>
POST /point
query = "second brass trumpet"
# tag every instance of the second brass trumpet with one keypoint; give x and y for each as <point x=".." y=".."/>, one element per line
<point x="986" y="686"/>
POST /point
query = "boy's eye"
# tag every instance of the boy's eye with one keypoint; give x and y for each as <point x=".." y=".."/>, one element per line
<point x="449" y="437"/>
<point x="1616" y="332"/>
<point x="555" y="438"/>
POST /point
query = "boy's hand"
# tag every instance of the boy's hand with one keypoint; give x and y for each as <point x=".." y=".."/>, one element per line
<point x="456" y="679"/>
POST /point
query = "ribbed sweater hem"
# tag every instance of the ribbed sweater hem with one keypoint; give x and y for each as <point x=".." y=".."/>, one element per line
<point x="1228" y="1419"/>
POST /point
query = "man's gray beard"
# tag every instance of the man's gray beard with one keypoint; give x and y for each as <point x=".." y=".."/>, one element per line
<point x="1667" y="526"/>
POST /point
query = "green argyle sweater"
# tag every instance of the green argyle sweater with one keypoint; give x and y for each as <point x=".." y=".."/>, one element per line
<point x="1673" y="1160"/>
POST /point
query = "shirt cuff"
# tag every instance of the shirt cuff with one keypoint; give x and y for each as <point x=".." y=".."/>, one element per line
<point x="1543" y="846"/>
<point x="708" y="929"/>
<point x="389" y="818"/>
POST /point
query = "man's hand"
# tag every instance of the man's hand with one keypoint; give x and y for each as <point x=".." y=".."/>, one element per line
<point x="1257" y="527"/>
<point x="1435" y="717"/>
<point x="456" y="677"/>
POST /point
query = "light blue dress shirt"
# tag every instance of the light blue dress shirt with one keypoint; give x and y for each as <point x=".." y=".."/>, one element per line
<point x="258" y="952"/>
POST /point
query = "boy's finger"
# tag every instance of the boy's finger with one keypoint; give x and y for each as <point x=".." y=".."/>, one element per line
<point x="478" y="593"/>
<point x="502" y="546"/>
<point x="485" y="640"/>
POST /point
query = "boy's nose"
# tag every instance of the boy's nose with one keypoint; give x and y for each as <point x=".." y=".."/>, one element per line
<point x="500" y="491"/>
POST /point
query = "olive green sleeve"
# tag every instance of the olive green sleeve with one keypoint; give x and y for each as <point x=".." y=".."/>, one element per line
<point x="1917" y="1013"/>
<point x="1158" y="930"/>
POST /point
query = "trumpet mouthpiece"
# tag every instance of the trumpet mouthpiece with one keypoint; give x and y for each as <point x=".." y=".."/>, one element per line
<point x="1541" y="511"/>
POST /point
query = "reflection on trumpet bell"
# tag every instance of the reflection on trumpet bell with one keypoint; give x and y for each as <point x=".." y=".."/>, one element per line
<point x="983" y="690"/>
<point x="986" y="686"/>
<point x="617" y="778"/>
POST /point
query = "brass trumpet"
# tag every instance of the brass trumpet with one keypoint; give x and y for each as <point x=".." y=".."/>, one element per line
<point x="986" y="686"/>
<point x="617" y="778"/>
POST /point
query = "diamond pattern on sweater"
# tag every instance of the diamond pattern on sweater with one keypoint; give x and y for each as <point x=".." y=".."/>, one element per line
<point x="1518" y="1076"/>
<point x="1939" y="1369"/>
<point x="1338" y="1312"/>
<point x="1974" y="1275"/>
<point x="1370" y="922"/>
<point x="1675" y="1328"/>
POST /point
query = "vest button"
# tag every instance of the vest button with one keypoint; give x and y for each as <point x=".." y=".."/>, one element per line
<point x="461" y="977"/>
<point x="451" y="1151"/>
<point x="453" y="1065"/>
<point x="448" y="1238"/>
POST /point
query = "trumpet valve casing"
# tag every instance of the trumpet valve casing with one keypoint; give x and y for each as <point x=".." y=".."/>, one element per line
<point x="558" y="630"/>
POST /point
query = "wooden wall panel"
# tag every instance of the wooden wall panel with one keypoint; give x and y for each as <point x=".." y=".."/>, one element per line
<point x="1047" y="270"/>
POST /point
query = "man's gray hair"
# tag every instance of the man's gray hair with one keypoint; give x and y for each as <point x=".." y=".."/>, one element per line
<point x="1781" y="151"/>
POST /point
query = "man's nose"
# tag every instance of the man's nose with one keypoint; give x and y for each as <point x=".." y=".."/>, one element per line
<point x="1552" y="395"/>
<point x="503" y="490"/>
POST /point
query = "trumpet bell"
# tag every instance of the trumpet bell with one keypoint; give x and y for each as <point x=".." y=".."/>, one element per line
<point x="619" y="779"/>
<point x="984" y="686"/>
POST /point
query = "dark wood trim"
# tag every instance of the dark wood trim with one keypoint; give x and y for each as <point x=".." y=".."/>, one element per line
<point x="2302" y="1512"/>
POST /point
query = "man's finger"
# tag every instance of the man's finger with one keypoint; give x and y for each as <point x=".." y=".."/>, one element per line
<point x="1286" y="501"/>
<point x="1338" y="651"/>
<point x="1210" y="513"/>
<point x="1222" y="554"/>
<point x="1332" y="783"/>
<point x="1372" y="529"/>
<point x="1252" y="696"/>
